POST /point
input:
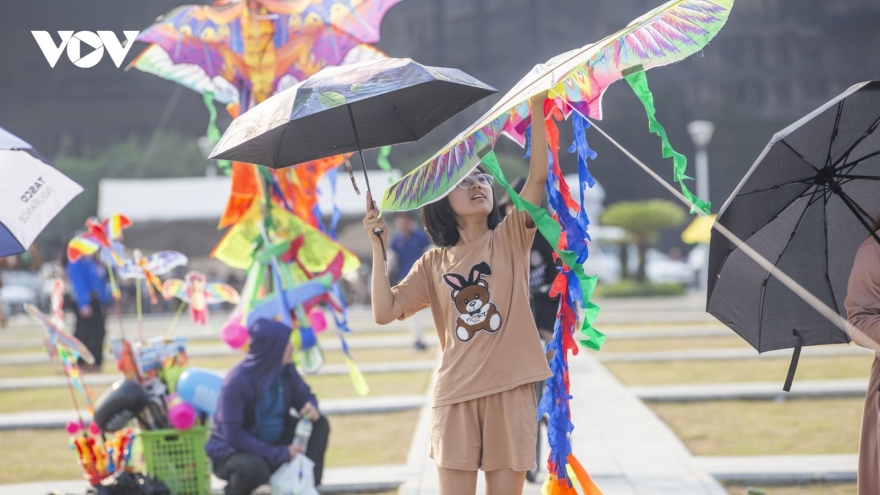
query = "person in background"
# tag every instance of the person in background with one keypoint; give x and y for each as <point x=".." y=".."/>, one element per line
<point x="409" y="243"/>
<point x="89" y="291"/>
<point x="253" y="425"/>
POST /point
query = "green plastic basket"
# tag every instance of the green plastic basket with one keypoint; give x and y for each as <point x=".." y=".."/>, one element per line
<point x="178" y="459"/>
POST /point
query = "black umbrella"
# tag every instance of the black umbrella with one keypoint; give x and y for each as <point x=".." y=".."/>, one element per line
<point x="349" y="108"/>
<point x="806" y="205"/>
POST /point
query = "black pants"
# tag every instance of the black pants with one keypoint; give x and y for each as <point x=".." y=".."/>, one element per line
<point x="244" y="472"/>
<point x="91" y="331"/>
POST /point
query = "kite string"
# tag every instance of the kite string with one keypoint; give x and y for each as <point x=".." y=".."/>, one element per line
<point x="854" y="333"/>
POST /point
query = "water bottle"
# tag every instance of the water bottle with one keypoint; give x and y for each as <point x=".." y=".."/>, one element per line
<point x="303" y="432"/>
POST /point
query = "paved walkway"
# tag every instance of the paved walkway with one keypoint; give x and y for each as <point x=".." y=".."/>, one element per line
<point x="221" y="350"/>
<point x="855" y="387"/>
<point x="721" y="354"/>
<point x="782" y="469"/>
<point x="110" y="378"/>
<point x="365" y="405"/>
<point x="369" y="479"/>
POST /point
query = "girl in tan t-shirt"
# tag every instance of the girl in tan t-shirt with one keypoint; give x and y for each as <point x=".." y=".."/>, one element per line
<point x="484" y="413"/>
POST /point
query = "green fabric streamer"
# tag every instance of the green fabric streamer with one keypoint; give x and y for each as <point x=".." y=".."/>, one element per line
<point x="384" y="164"/>
<point x="213" y="133"/>
<point x="551" y="231"/>
<point x="639" y="84"/>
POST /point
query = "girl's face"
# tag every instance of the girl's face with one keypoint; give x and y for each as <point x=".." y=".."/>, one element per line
<point x="473" y="196"/>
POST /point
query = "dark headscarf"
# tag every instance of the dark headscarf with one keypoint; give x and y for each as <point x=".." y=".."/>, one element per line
<point x="263" y="363"/>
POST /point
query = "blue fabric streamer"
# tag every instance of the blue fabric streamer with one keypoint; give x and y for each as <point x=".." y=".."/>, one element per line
<point x="528" y="136"/>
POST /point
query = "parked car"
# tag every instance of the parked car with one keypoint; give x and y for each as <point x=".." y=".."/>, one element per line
<point x="19" y="287"/>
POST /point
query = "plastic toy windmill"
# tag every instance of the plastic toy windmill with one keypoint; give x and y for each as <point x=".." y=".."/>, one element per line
<point x="68" y="349"/>
<point x="195" y="291"/>
<point x="100" y="237"/>
<point x="149" y="268"/>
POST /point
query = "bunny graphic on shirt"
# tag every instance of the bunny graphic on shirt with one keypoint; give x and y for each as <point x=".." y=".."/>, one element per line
<point x="471" y="298"/>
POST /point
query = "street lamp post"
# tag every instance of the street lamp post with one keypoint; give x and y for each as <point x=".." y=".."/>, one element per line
<point x="701" y="133"/>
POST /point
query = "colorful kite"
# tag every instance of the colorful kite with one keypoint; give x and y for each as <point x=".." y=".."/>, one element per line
<point x="245" y="51"/>
<point x="66" y="347"/>
<point x="195" y="291"/>
<point x="100" y="237"/>
<point x="575" y="82"/>
<point x="150" y="267"/>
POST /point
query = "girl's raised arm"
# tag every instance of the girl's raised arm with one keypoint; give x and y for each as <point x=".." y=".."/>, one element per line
<point x="533" y="190"/>
<point x="385" y="308"/>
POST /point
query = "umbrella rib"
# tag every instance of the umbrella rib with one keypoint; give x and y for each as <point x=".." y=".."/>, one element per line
<point x="797" y="153"/>
<point x="851" y="165"/>
<point x="827" y="276"/>
<point x="778" y="186"/>
<point x="857" y="211"/>
<point x="834" y="132"/>
<point x="793" y="231"/>
<point x="867" y="133"/>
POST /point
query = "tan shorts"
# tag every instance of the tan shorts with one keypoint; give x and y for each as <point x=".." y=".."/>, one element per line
<point x="498" y="431"/>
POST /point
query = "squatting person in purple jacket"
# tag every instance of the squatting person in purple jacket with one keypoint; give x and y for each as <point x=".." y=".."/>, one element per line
<point x="253" y="429"/>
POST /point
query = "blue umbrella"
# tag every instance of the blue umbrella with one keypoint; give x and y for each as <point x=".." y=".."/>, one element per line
<point x="32" y="192"/>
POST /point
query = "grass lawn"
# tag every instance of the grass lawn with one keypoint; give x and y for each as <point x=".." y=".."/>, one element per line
<point x="325" y="387"/>
<point x="673" y="344"/>
<point x="740" y="370"/>
<point x="356" y="440"/>
<point x="819" y="489"/>
<point x="370" y="439"/>
<point x="381" y="384"/>
<point x="810" y="426"/>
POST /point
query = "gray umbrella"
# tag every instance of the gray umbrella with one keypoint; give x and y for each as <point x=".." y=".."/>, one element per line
<point x="806" y="205"/>
<point x="349" y="108"/>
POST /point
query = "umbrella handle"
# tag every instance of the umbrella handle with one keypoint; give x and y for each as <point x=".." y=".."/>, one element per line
<point x="378" y="233"/>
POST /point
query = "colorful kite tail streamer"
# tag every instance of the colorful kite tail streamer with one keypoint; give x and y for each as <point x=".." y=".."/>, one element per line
<point x="580" y="474"/>
<point x="639" y="84"/>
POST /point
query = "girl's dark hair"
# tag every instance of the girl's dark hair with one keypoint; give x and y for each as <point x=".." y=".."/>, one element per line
<point x="439" y="220"/>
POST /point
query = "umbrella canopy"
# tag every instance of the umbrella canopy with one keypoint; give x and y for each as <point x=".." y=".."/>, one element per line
<point x="32" y="192"/>
<point x="807" y="204"/>
<point x="345" y="109"/>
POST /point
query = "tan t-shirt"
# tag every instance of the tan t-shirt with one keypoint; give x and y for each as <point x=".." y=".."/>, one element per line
<point x="479" y="297"/>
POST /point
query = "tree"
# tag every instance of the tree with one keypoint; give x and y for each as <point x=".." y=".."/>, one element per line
<point x="166" y="154"/>
<point x="643" y="221"/>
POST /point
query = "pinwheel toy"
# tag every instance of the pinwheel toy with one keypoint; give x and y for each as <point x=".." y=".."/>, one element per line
<point x="68" y="349"/>
<point x="150" y="267"/>
<point x="195" y="291"/>
<point x="100" y="236"/>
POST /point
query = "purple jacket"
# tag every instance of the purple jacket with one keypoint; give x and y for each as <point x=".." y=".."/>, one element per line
<point x="235" y="421"/>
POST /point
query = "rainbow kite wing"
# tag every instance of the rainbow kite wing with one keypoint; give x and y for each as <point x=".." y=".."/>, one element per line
<point x="174" y="287"/>
<point x="216" y="293"/>
<point x="57" y="337"/>
<point x="113" y="226"/>
<point x="164" y="261"/>
<point x="82" y="245"/>
<point x="576" y="80"/>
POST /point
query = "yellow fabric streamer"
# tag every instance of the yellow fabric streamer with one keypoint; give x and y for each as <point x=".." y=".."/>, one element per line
<point x="236" y="249"/>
